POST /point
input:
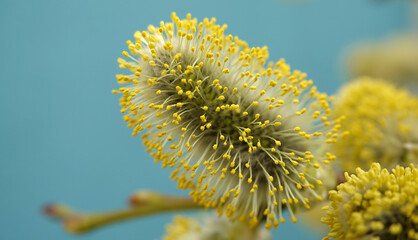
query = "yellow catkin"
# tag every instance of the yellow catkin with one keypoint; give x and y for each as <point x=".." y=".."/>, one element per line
<point x="381" y="125"/>
<point x="210" y="228"/>
<point x="377" y="204"/>
<point x="393" y="59"/>
<point x="200" y="99"/>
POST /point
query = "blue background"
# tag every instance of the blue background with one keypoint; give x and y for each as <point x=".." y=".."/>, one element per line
<point x="62" y="137"/>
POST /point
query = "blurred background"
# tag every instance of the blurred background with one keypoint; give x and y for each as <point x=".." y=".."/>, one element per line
<point x="62" y="137"/>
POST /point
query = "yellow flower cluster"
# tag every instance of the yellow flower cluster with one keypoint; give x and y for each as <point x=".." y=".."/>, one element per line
<point x="394" y="59"/>
<point x="382" y="122"/>
<point x="244" y="136"/>
<point x="376" y="205"/>
<point x="211" y="228"/>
